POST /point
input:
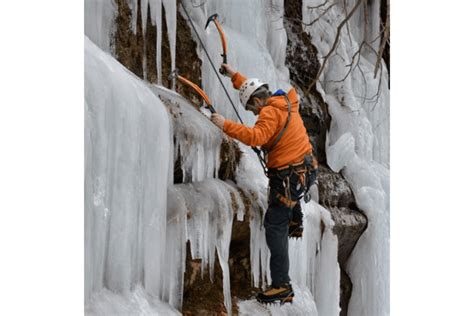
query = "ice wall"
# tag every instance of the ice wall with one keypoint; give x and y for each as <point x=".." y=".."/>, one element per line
<point x="358" y="140"/>
<point x="125" y="117"/>
<point x="313" y="259"/>
<point x="126" y="175"/>
<point x="99" y="22"/>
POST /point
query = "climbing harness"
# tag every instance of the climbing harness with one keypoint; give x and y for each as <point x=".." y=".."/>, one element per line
<point x="214" y="19"/>
<point x="174" y="74"/>
<point x="303" y="170"/>
<point x="255" y="149"/>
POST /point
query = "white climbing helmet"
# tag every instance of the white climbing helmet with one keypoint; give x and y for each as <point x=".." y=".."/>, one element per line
<point x="248" y="88"/>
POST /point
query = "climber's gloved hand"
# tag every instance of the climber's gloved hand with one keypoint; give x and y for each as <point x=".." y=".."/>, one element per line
<point x="227" y="70"/>
<point x="218" y="120"/>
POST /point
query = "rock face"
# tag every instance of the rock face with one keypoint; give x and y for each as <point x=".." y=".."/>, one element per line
<point x="133" y="49"/>
<point x="302" y="61"/>
<point x="203" y="296"/>
<point x="337" y="197"/>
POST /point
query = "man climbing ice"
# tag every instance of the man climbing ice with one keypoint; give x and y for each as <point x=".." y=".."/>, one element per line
<point x="280" y="132"/>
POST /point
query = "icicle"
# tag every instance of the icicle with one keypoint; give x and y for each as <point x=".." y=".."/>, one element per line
<point x="155" y="13"/>
<point x="209" y="228"/>
<point x="327" y="277"/>
<point x="170" y="11"/>
<point x="133" y="5"/>
<point x="173" y="281"/>
<point x="144" y="13"/>
<point x="144" y="62"/>
<point x="198" y="140"/>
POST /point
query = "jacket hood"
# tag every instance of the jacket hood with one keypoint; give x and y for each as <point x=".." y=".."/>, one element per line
<point x="278" y="100"/>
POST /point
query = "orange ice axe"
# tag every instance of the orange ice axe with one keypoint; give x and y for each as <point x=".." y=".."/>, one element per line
<point x="213" y="18"/>
<point x="196" y="88"/>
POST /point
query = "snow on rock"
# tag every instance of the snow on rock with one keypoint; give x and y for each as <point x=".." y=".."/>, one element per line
<point x="126" y="176"/>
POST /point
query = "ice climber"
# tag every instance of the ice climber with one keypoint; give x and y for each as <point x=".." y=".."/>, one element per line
<point x="280" y="132"/>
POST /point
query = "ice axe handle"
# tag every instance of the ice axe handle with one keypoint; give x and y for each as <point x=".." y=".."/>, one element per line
<point x="211" y="108"/>
<point x="222" y="70"/>
<point x="224" y="61"/>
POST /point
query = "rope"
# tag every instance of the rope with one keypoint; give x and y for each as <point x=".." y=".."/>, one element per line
<point x="212" y="64"/>
<point x="255" y="149"/>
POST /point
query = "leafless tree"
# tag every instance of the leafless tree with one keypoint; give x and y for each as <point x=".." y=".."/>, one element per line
<point x="365" y="44"/>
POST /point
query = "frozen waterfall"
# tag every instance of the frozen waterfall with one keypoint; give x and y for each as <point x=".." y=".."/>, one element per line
<point x="138" y="222"/>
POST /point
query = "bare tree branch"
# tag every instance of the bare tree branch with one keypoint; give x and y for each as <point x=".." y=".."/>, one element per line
<point x="351" y="66"/>
<point x="319" y="17"/>
<point x="318" y="6"/>
<point x="334" y="46"/>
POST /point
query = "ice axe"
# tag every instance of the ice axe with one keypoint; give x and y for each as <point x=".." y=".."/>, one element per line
<point x="175" y="74"/>
<point x="213" y="18"/>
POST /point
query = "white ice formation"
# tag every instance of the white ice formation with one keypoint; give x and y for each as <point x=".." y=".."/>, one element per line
<point x="137" y="222"/>
<point x="358" y="141"/>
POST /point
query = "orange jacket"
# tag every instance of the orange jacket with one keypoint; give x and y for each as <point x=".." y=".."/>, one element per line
<point x="294" y="143"/>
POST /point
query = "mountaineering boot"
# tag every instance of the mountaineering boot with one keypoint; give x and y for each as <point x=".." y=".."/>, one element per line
<point x="295" y="229"/>
<point x="282" y="294"/>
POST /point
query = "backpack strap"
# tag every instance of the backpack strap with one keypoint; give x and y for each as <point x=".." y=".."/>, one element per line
<point x="280" y="135"/>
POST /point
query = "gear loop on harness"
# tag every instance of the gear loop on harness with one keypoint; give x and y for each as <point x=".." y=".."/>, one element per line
<point x="305" y="171"/>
